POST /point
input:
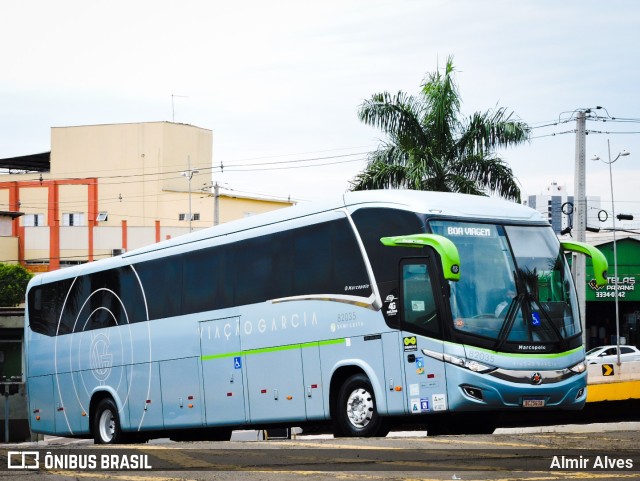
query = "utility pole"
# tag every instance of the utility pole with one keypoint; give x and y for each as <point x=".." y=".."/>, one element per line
<point x="580" y="217"/>
<point x="216" y="204"/>
<point x="615" y="251"/>
<point x="189" y="175"/>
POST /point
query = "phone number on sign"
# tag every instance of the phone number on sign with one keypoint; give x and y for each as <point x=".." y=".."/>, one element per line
<point x="610" y="294"/>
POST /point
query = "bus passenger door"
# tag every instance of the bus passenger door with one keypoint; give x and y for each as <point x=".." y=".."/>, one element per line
<point x="222" y="372"/>
<point x="421" y="323"/>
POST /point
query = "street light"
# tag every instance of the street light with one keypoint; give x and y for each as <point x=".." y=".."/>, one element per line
<point x="615" y="252"/>
<point x="189" y="175"/>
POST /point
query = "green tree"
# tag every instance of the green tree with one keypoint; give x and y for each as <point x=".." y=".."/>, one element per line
<point x="430" y="147"/>
<point x="13" y="284"/>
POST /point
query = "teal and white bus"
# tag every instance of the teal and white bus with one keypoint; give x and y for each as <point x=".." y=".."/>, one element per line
<point x="378" y="308"/>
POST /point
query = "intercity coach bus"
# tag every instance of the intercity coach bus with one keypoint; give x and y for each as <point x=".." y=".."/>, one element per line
<point x="383" y="306"/>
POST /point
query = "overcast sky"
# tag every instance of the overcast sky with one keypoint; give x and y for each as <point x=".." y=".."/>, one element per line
<point x="282" y="80"/>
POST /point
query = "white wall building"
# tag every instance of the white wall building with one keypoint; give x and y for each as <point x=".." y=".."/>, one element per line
<point x="556" y="204"/>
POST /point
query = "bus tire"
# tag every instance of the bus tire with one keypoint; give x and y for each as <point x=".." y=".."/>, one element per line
<point x="106" y="423"/>
<point x="357" y="413"/>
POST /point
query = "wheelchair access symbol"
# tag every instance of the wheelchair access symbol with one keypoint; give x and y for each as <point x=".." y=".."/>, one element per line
<point x="237" y="362"/>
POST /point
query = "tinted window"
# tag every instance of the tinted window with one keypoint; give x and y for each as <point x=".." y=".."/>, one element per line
<point x="208" y="279"/>
<point x="374" y="223"/>
<point x="420" y="314"/>
<point x="45" y="304"/>
<point x="317" y="259"/>
<point x="327" y="260"/>
<point x="262" y="268"/>
<point x="162" y="282"/>
<point x="94" y="301"/>
<point x="313" y="253"/>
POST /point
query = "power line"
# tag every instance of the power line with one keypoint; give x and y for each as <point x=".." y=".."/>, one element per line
<point x="554" y="134"/>
<point x="297" y="166"/>
<point x="611" y="132"/>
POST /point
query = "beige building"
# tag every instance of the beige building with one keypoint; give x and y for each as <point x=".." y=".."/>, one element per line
<point x="108" y="188"/>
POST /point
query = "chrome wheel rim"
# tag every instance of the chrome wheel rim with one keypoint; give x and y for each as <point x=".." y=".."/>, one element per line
<point x="360" y="408"/>
<point x="107" y="426"/>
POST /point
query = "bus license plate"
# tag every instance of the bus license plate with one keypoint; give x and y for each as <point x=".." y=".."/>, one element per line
<point x="533" y="403"/>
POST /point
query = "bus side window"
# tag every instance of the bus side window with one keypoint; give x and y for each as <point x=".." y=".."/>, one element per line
<point x="37" y="319"/>
<point x="420" y="314"/>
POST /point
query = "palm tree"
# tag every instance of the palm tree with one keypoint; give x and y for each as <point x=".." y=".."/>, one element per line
<point x="430" y="148"/>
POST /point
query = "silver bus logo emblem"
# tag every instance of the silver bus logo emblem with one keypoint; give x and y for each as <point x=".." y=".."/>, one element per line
<point x="101" y="358"/>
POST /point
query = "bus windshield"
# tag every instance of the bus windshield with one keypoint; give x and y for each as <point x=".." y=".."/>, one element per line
<point x="515" y="285"/>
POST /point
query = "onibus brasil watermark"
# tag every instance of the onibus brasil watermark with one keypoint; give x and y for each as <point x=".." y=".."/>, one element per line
<point x="77" y="461"/>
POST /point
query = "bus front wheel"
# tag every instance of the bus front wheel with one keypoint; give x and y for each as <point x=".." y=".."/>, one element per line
<point x="106" y="423"/>
<point x="357" y="414"/>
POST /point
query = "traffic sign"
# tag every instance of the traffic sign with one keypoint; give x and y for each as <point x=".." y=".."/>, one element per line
<point x="607" y="369"/>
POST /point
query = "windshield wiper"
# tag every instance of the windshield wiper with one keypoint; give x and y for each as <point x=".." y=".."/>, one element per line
<point x="550" y="323"/>
<point x="509" y="319"/>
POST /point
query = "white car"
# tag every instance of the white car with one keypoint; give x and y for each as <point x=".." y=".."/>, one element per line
<point x="609" y="354"/>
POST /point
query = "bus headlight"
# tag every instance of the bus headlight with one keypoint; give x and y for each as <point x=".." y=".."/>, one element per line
<point x="474" y="366"/>
<point x="579" y="368"/>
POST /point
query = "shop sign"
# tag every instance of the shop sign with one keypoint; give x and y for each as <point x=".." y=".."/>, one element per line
<point x="625" y="290"/>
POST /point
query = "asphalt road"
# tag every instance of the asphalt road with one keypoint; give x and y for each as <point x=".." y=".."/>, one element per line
<point x="578" y="452"/>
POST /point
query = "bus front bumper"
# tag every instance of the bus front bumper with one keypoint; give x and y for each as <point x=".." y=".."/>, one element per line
<point x="509" y="389"/>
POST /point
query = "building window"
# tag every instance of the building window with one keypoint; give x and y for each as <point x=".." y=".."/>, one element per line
<point x="73" y="219"/>
<point x="11" y="359"/>
<point x="33" y="220"/>
<point x="196" y="216"/>
<point x="182" y="216"/>
<point x="102" y="216"/>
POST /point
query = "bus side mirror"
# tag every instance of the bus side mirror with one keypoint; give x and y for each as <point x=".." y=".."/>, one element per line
<point x="446" y="249"/>
<point x="600" y="264"/>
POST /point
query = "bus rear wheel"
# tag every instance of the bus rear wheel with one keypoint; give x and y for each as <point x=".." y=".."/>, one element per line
<point x="106" y="423"/>
<point x="357" y="413"/>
